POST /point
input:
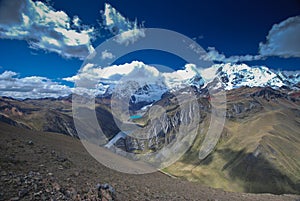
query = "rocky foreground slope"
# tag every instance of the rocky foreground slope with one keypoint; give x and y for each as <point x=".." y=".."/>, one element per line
<point x="50" y="166"/>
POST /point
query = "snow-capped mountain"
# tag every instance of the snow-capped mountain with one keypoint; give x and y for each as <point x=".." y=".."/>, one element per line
<point x="289" y="77"/>
<point x="144" y="83"/>
<point x="238" y="75"/>
<point x="137" y="92"/>
<point x="189" y="76"/>
<point x="139" y="82"/>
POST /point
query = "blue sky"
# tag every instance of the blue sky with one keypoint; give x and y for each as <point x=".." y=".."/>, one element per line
<point x="242" y="31"/>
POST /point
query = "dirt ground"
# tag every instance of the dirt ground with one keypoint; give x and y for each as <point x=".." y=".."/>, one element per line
<point x="49" y="166"/>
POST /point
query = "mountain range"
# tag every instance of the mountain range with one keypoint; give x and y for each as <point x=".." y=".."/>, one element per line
<point x="259" y="147"/>
<point x="145" y="84"/>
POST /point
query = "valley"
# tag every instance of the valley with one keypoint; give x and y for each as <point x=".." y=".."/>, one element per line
<point x="258" y="149"/>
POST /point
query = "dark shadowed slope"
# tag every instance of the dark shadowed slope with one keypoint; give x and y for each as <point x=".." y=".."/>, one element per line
<point x="259" y="150"/>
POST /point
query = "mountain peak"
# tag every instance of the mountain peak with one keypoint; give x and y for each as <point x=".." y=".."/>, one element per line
<point x="238" y="75"/>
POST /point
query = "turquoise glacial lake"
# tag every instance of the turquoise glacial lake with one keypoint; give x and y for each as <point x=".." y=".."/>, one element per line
<point x="135" y="116"/>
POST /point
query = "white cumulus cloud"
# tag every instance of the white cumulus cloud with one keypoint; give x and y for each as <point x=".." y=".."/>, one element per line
<point x="107" y="55"/>
<point x="127" y="31"/>
<point x="113" y="74"/>
<point x="283" y="39"/>
<point x="214" y="55"/>
<point x="136" y="71"/>
<point x="30" y="87"/>
<point x="45" y="28"/>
